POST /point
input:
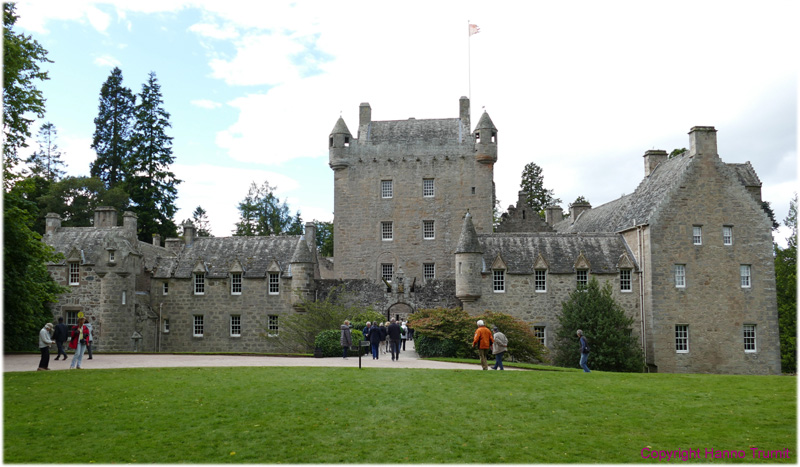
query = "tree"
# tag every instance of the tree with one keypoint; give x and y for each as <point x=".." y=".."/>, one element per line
<point x="113" y="126"/>
<point x="533" y="184"/>
<point x="263" y="213"/>
<point x="676" y="152"/>
<point x="771" y="214"/>
<point x="150" y="182"/>
<point x="21" y="100"/>
<point x="75" y="199"/>
<point x="46" y="162"/>
<point x="580" y="200"/>
<point x="324" y="238"/>
<point x="200" y="221"/>
<point x="786" y="286"/>
<point x="607" y="329"/>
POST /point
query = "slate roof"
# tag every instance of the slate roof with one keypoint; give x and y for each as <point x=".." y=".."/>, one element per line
<point x="219" y="254"/>
<point x="521" y="250"/>
<point x="91" y="242"/>
<point x="413" y="130"/>
<point x="468" y="240"/>
<point x="746" y="174"/>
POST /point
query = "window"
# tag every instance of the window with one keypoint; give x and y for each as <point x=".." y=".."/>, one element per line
<point x="165" y="288"/>
<point x="124" y="297"/>
<point x="274" y="283"/>
<point x="473" y="190"/>
<point x="110" y="256"/>
<point x="199" y="283"/>
<point x="387" y="233"/>
<point x="727" y="235"/>
<point x="749" y="338"/>
<point x="272" y="325"/>
<point x="540" y="280"/>
<point x="499" y="280"/>
<point x="236" y="283"/>
<point x="72" y="318"/>
<point x="625" y="280"/>
<point x="744" y="272"/>
<point x="427" y="188"/>
<point x="682" y="338"/>
<point x="428" y="231"/>
<point x="429" y="271"/>
<point x="74" y="273"/>
<point x="387" y="271"/>
<point x="165" y="326"/>
<point x="538" y="331"/>
<point x="236" y="326"/>
<point x="680" y="275"/>
<point x="386" y="189"/>
<point x="697" y="235"/>
<point x="582" y="278"/>
<point x="198" y="326"/>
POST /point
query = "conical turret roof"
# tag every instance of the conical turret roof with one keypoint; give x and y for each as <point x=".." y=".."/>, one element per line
<point x="485" y="122"/>
<point x="468" y="241"/>
<point x="340" y="128"/>
<point x="301" y="252"/>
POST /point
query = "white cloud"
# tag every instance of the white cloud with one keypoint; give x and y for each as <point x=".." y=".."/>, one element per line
<point x="98" y="19"/>
<point x="106" y="61"/>
<point x="214" y="31"/>
<point x="260" y="59"/>
<point x="205" y="104"/>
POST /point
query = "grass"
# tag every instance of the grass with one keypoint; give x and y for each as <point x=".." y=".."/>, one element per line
<point x="347" y="415"/>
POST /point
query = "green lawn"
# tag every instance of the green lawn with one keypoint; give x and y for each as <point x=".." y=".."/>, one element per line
<point x="347" y="415"/>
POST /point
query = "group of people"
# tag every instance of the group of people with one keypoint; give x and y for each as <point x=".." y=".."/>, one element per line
<point x="493" y="340"/>
<point x="388" y="337"/>
<point x="80" y="340"/>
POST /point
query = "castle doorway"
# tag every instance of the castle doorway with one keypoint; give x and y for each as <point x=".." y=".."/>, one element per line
<point x="399" y="311"/>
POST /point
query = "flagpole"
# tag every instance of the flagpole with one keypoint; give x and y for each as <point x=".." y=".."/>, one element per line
<point x="469" y="62"/>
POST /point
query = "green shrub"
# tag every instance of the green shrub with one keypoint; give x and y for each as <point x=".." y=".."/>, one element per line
<point x="330" y="341"/>
<point x="434" y="347"/>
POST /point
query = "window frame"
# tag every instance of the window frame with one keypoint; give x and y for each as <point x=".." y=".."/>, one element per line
<point x="750" y="341"/>
<point x="273" y="283"/>
<point x="679" y="276"/>
<point x="498" y="280"/>
<point x="697" y="235"/>
<point x="727" y="235"/>
<point x="199" y="283"/>
<point x="745" y="276"/>
<point x="272" y="326"/>
<point x="387" y="231"/>
<point x="165" y="326"/>
<point x="71" y="318"/>
<point x="626" y="280"/>
<point x="387" y="189"/>
<point x="74" y="273"/>
<point x="124" y="297"/>
<point x="235" y="325"/>
<point x="387" y="267"/>
<point x="236" y="283"/>
<point x="428" y="188"/>
<point x="681" y="338"/>
<point x="111" y="256"/>
<point x="198" y="324"/>
<point x="165" y="288"/>
<point x="582" y="283"/>
<point x="542" y="336"/>
<point x="426" y="268"/>
<point x="540" y="283"/>
<point x="428" y="230"/>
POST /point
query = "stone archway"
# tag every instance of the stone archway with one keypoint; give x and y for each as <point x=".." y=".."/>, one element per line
<point x="401" y="311"/>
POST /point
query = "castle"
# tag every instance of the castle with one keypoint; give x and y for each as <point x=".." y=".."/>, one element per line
<point x="689" y="254"/>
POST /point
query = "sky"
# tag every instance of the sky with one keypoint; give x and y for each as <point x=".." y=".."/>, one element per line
<point x="581" y="88"/>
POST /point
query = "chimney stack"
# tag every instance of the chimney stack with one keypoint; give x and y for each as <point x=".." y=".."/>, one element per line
<point x="52" y="223"/>
<point x="652" y="158"/>
<point x="364" y="115"/>
<point x="129" y="222"/>
<point x="703" y="140"/>
<point x="553" y="215"/>
<point x="576" y="209"/>
<point x="156" y="239"/>
<point x="463" y="111"/>
<point x="105" y="216"/>
<point x="188" y="232"/>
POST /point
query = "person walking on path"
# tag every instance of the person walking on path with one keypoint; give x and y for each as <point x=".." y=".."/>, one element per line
<point x="80" y="337"/>
<point x="44" y="346"/>
<point x="90" y="342"/>
<point x="395" y="333"/>
<point x="483" y="339"/>
<point x="384" y="332"/>
<point x="375" y="340"/>
<point x="499" y="348"/>
<point x="346" y="340"/>
<point x="584" y="351"/>
<point x="404" y="335"/>
<point x="60" y="336"/>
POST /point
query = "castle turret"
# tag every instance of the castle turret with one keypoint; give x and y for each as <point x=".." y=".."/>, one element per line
<point x="302" y="273"/>
<point x="485" y="140"/>
<point x="339" y="145"/>
<point x="469" y="263"/>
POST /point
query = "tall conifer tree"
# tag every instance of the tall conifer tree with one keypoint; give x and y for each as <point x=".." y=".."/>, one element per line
<point x="112" y="133"/>
<point x="151" y="183"/>
<point x="46" y="162"/>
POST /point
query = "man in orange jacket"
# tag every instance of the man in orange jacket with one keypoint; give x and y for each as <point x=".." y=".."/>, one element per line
<point x="483" y="339"/>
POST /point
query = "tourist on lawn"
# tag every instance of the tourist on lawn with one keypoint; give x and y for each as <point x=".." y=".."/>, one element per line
<point x="395" y="333"/>
<point x="346" y="340"/>
<point x="384" y="332"/>
<point x="90" y="342"/>
<point x="375" y="339"/>
<point x="78" y="341"/>
<point x="404" y="334"/>
<point x="483" y="339"/>
<point x="584" y="351"/>
<point x="60" y="336"/>
<point x="499" y="348"/>
<point x="44" y="346"/>
<point x="365" y="331"/>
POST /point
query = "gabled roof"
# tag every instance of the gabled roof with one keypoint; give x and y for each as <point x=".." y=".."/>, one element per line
<point x="91" y="242"/>
<point x="413" y="130"/>
<point x="746" y="174"/>
<point x="218" y="254"/>
<point x="521" y="251"/>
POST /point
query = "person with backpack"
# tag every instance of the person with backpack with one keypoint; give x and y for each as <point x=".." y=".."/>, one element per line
<point x="584" y="351"/>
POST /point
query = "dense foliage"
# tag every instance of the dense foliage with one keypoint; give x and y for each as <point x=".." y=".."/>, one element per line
<point x="330" y="342"/>
<point x="263" y="213"/>
<point x="113" y="130"/>
<point x="324" y="238"/>
<point x="786" y="285"/>
<point x="606" y="327"/>
<point x="448" y="332"/>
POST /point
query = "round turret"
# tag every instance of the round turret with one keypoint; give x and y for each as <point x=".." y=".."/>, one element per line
<point x="469" y="263"/>
<point x="339" y="145"/>
<point x="485" y="140"/>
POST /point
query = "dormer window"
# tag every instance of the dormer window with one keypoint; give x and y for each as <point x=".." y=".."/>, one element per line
<point x="199" y="283"/>
<point x="74" y="274"/>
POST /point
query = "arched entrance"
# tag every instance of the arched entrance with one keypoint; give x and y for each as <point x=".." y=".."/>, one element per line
<point x="399" y="311"/>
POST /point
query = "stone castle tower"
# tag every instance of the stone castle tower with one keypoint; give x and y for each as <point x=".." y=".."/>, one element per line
<point x="401" y="188"/>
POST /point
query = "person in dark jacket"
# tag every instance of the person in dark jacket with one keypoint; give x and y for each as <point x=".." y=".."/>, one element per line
<point x="384" y="332"/>
<point x="584" y="351"/>
<point x="60" y="336"/>
<point x="346" y="340"/>
<point x="375" y="340"/>
<point x="395" y="333"/>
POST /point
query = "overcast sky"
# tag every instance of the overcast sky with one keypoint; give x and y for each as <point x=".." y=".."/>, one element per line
<point x="581" y="88"/>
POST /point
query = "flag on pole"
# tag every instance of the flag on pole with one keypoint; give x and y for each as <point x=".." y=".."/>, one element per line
<point x="474" y="29"/>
